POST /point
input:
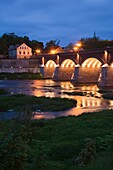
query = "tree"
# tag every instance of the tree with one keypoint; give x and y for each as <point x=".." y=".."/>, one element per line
<point x="36" y="45"/>
<point x="52" y="44"/>
<point x="12" y="39"/>
<point x="95" y="42"/>
<point x="69" y="47"/>
<point x="90" y="43"/>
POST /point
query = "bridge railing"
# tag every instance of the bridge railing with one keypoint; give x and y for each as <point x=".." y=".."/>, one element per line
<point x="98" y="50"/>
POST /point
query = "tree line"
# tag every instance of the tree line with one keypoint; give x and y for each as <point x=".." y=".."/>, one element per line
<point x="8" y="39"/>
<point x="12" y="39"/>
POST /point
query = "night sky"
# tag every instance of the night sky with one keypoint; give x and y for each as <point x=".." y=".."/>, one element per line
<point x="64" y="20"/>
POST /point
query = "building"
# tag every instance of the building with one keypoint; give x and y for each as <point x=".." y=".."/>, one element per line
<point x="19" y="51"/>
<point x="59" y="50"/>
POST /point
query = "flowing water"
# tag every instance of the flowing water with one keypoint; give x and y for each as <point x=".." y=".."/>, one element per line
<point x="91" y="101"/>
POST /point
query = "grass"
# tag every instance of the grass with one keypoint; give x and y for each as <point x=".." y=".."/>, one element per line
<point x="20" y="102"/>
<point x="65" y="137"/>
<point x="66" y="143"/>
<point x="20" y="76"/>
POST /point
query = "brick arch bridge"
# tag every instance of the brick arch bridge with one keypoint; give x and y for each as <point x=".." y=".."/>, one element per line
<point x="79" y="67"/>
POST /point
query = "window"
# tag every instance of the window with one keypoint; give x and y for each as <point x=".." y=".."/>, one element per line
<point x="28" y="53"/>
<point x="23" y="52"/>
<point x="19" y="52"/>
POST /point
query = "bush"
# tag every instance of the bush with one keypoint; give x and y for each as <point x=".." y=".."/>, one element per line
<point x="87" y="153"/>
<point x="13" y="151"/>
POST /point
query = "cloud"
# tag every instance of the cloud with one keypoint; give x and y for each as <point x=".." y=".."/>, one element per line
<point x="65" y="20"/>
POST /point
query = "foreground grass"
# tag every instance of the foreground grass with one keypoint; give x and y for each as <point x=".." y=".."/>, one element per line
<point x="22" y="102"/>
<point x="20" y="76"/>
<point x="68" y="143"/>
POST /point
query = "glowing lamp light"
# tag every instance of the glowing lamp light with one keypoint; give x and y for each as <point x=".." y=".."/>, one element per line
<point x="38" y="51"/>
<point x="78" y="44"/>
<point x="52" y="52"/>
<point x="75" y="48"/>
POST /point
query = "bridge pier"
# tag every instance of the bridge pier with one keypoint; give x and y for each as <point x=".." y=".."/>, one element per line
<point x="46" y="71"/>
<point x="106" y="78"/>
<point x="85" y="75"/>
<point x="76" y="75"/>
<point x="42" y="67"/>
<point x="62" y="73"/>
<point x="42" y="70"/>
<point x="56" y="73"/>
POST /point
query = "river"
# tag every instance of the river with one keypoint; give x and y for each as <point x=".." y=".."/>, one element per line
<point x="92" y="101"/>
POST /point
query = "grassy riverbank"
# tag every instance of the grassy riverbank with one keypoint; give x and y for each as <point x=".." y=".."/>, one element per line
<point x="20" y="76"/>
<point x="23" y="102"/>
<point x="68" y="143"/>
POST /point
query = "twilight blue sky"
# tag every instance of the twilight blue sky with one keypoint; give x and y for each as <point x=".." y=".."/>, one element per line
<point x="65" y="20"/>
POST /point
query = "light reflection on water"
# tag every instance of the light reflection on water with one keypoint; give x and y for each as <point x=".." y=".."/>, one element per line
<point x="92" y="101"/>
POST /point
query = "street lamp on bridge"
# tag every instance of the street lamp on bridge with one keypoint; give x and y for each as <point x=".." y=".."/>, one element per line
<point x="77" y="46"/>
<point x="52" y="51"/>
<point x="38" y="51"/>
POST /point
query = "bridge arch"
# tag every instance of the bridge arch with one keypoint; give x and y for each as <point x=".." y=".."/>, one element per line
<point x="50" y="63"/>
<point x="49" y="68"/>
<point x="90" y="70"/>
<point x="97" y="56"/>
<point x="66" y="69"/>
<point x="91" y="62"/>
<point x="68" y="63"/>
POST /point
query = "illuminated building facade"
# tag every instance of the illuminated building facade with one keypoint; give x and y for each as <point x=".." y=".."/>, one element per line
<point x="19" y="51"/>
